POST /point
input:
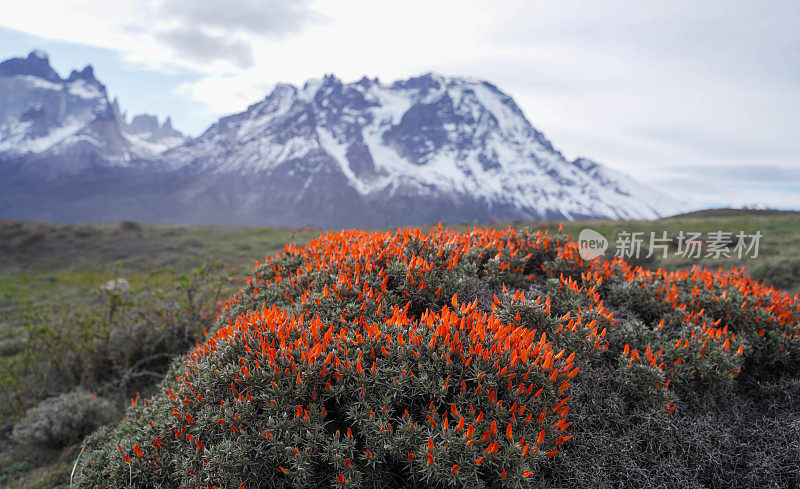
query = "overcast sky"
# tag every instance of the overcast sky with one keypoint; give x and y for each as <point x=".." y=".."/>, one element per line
<point x="701" y="98"/>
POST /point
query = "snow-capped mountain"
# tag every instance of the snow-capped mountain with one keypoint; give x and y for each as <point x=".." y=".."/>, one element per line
<point x="70" y="119"/>
<point x="328" y="153"/>
<point x="422" y="149"/>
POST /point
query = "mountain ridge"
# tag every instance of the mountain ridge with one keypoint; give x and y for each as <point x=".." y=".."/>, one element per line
<point x="335" y="154"/>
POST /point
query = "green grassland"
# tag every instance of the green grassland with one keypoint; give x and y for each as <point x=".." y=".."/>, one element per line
<point x="59" y="330"/>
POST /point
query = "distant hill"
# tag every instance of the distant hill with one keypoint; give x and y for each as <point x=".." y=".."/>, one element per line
<point x="733" y="212"/>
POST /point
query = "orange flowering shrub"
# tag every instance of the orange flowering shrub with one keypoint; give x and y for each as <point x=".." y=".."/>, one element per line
<point x="767" y="318"/>
<point x="437" y="359"/>
<point x="707" y="324"/>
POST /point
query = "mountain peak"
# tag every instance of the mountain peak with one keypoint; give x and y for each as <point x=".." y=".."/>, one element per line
<point x="37" y="53"/>
<point x="365" y="81"/>
<point x="141" y="123"/>
<point x="330" y="82"/>
<point x="144" y="123"/>
<point x="426" y="81"/>
<point x="87" y="73"/>
<point x="147" y="131"/>
<point x="36" y="64"/>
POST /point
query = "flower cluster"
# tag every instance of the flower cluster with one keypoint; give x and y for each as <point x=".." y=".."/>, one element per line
<point x="708" y="322"/>
<point x="421" y="359"/>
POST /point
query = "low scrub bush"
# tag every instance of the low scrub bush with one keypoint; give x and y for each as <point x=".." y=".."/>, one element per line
<point x="784" y="274"/>
<point x="491" y="358"/>
<point x="63" y="420"/>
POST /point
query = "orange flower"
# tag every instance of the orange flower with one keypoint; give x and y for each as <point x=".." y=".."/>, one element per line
<point x="562" y="439"/>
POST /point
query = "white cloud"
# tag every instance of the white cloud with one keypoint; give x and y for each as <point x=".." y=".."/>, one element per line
<point x="202" y="35"/>
<point x="271" y="18"/>
<point x="201" y="46"/>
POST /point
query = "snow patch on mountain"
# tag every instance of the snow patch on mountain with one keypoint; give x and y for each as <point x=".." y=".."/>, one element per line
<point x="18" y="140"/>
<point x="85" y="89"/>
